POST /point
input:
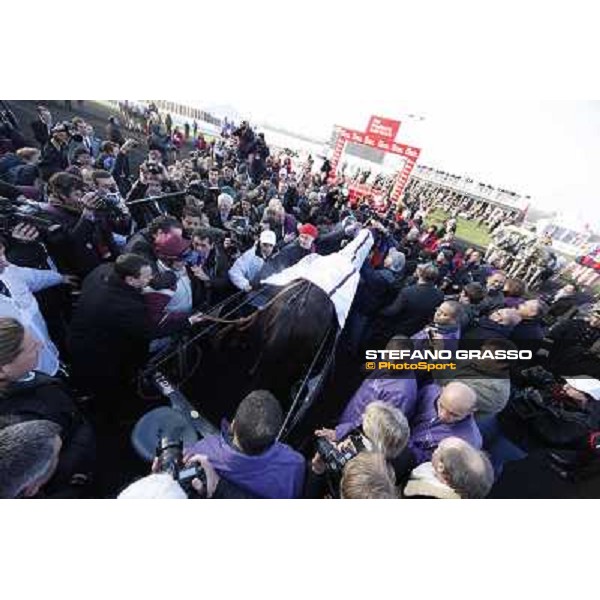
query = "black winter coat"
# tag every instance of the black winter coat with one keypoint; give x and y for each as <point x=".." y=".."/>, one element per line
<point x="111" y="328"/>
<point x="54" y="159"/>
<point x="46" y="398"/>
<point x="413" y="308"/>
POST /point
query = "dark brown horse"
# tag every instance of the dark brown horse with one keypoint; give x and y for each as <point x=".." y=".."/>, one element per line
<point x="282" y="338"/>
<point x="272" y="349"/>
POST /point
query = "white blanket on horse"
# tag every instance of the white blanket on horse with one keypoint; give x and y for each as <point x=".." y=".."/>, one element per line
<point x="336" y="274"/>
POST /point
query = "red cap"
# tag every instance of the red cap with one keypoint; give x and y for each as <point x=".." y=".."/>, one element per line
<point x="309" y="229"/>
<point x="172" y="248"/>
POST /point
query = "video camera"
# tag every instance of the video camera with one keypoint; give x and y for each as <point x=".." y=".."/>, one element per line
<point x="169" y="453"/>
<point x="13" y="212"/>
<point x="242" y="233"/>
<point x="111" y="204"/>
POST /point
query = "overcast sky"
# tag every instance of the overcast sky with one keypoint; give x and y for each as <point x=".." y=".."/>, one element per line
<point x="476" y="71"/>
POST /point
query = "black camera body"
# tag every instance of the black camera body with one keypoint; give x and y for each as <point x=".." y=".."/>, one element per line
<point x="169" y="453"/>
<point x="13" y="212"/>
<point x="110" y="204"/>
<point x="335" y="460"/>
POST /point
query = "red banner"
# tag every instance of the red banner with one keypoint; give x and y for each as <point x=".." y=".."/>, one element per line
<point x="358" y="137"/>
<point x="335" y="159"/>
<point x="374" y="139"/>
<point x="383" y="128"/>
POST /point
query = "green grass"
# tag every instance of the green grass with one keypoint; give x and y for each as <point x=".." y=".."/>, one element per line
<point x="468" y="231"/>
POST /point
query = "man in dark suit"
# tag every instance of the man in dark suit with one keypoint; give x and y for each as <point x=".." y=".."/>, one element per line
<point x="415" y="305"/>
<point x="41" y="126"/>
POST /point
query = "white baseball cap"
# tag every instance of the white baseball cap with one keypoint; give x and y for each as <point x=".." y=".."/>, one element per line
<point x="587" y="385"/>
<point x="268" y="237"/>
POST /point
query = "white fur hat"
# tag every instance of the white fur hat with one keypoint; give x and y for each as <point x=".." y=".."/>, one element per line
<point x="158" y="486"/>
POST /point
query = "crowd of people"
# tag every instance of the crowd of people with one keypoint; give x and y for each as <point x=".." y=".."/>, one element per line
<point x="100" y="266"/>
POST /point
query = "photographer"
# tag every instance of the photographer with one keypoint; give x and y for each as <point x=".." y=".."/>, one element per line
<point x="399" y="391"/>
<point x="55" y="153"/>
<point x="384" y="430"/>
<point x="41" y="126"/>
<point x="114" y="213"/>
<point x="121" y="169"/>
<point x="84" y="238"/>
<point x="257" y="159"/>
<point x="162" y="485"/>
<point x="220" y="214"/>
<point x="27" y="395"/>
<point x="573" y="345"/>
<point x="367" y="476"/>
<point x="244" y="208"/>
<point x="78" y="140"/>
<point x="246" y="140"/>
<point x="153" y="181"/>
<point x="247" y="454"/>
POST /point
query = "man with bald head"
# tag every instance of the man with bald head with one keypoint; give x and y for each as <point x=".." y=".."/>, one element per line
<point x="440" y="413"/>
<point x="456" y="471"/>
<point x="529" y="333"/>
<point x="499" y="324"/>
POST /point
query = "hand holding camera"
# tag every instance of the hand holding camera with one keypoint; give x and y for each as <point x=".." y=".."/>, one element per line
<point x="204" y="487"/>
<point x="25" y="232"/>
<point x="129" y="145"/>
<point x="189" y="472"/>
<point x="91" y="202"/>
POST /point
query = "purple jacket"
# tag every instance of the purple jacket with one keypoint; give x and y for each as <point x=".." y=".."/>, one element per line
<point x="427" y="431"/>
<point x="513" y="301"/>
<point x="276" y="473"/>
<point x="400" y="392"/>
<point x="450" y="337"/>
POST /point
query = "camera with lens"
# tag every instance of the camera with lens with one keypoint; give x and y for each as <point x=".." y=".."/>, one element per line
<point x="537" y="377"/>
<point x="109" y="203"/>
<point x="239" y="225"/>
<point x="14" y="212"/>
<point x="169" y="454"/>
<point x="153" y="168"/>
<point x="334" y="459"/>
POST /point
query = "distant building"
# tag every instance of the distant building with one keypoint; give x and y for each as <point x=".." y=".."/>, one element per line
<point x="569" y="235"/>
<point x="481" y="192"/>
